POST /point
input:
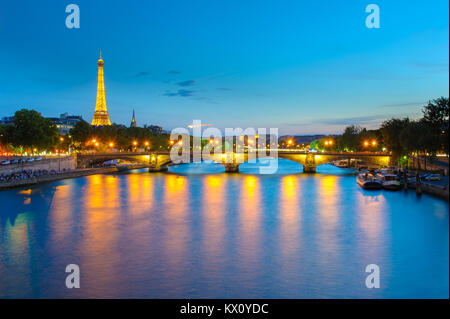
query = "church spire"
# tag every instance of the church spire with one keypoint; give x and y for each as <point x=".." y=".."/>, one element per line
<point x="133" y="121"/>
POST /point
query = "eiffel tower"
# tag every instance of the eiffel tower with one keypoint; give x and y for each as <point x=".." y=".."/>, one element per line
<point x="101" y="116"/>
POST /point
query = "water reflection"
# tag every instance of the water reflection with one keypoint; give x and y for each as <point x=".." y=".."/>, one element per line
<point x="220" y="235"/>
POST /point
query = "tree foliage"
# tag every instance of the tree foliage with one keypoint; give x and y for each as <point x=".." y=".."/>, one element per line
<point x="121" y="137"/>
<point x="30" y="130"/>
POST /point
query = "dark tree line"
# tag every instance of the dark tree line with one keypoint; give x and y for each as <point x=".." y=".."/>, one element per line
<point x="83" y="135"/>
<point x="424" y="137"/>
<point x="404" y="137"/>
<point x="32" y="133"/>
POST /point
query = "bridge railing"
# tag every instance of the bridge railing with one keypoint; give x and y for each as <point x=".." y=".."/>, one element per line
<point x="280" y="150"/>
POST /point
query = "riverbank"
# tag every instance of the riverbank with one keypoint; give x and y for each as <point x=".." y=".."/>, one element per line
<point x="64" y="175"/>
<point x="434" y="189"/>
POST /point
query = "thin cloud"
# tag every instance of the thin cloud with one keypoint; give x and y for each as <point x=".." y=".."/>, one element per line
<point x="343" y="121"/>
<point x="180" y="93"/>
<point x="141" y="74"/>
<point x="174" y="72"/>
<point x="186" y="83"/>
<point x="404" y="104"/>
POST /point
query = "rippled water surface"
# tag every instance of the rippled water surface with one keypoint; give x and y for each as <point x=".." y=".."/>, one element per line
<point x="198" y="232"/>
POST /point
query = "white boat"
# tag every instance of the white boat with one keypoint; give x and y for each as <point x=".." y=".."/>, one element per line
<point x="341" y="163"/>
<point x="123" y="167"/>
<point x="368" y="181"/>
<point x="389" y="181"/>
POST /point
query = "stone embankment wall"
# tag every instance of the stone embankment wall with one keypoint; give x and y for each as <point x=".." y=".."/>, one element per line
<point x="48" y="164"/>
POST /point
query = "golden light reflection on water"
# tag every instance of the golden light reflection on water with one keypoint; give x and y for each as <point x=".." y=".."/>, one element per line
<point x="140" y="193"/>
<point x="101" y="232"/>
<point x="177" y="232"/>
<point x="290" y="215"/>
<point x="250" y="218"/>
<point x="328" y="196"/>
<point x="328" y="209"/>
<point x="214" y="205"/>
<point x="61" y="213"/>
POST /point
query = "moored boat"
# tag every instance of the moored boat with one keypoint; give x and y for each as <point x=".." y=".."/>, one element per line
<point x="341" y="163"/>
<point x="368" y="181"/>
<point x="389" y="179"/>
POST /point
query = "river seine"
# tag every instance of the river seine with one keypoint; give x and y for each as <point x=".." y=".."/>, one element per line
<point x="197" y="232"/>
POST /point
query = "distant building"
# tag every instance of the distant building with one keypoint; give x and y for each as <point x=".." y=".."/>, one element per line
<point x="65" y="122"/>
<point x="7" y="120"/>
<point x="155" y="129"/>
<point x="133" y="121"/>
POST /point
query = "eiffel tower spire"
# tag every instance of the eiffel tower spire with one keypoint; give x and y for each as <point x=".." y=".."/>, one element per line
<point x="101" y="116"/>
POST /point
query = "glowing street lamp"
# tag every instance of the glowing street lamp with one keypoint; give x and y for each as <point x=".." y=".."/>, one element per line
<point x="374" y="143"/>
<point x="111" y="144"/>
<point x="366" y="143"/>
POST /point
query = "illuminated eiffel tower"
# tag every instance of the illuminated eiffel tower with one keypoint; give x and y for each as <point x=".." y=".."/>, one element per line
<point x="101" y="116"/>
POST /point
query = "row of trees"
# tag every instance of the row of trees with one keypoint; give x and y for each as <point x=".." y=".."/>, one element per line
<point x="84" y="136"/>
<point x="30" y="132"/>
<point x="426" y="136"/>
<point x="401" y="137"/>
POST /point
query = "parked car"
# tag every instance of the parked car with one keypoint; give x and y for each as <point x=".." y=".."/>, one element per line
<point x="29" y="160"/>
<point x="15" y="161"/>
<point x="38" y="158"/>
<point x="432" y="177"/>
<point x="5" y="162"/>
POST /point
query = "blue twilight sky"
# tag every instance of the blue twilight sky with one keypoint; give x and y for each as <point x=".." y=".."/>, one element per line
<point x="302" y="66"/>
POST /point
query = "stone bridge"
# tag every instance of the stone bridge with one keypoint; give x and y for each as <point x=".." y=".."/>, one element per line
<point x="160" y="161"/>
